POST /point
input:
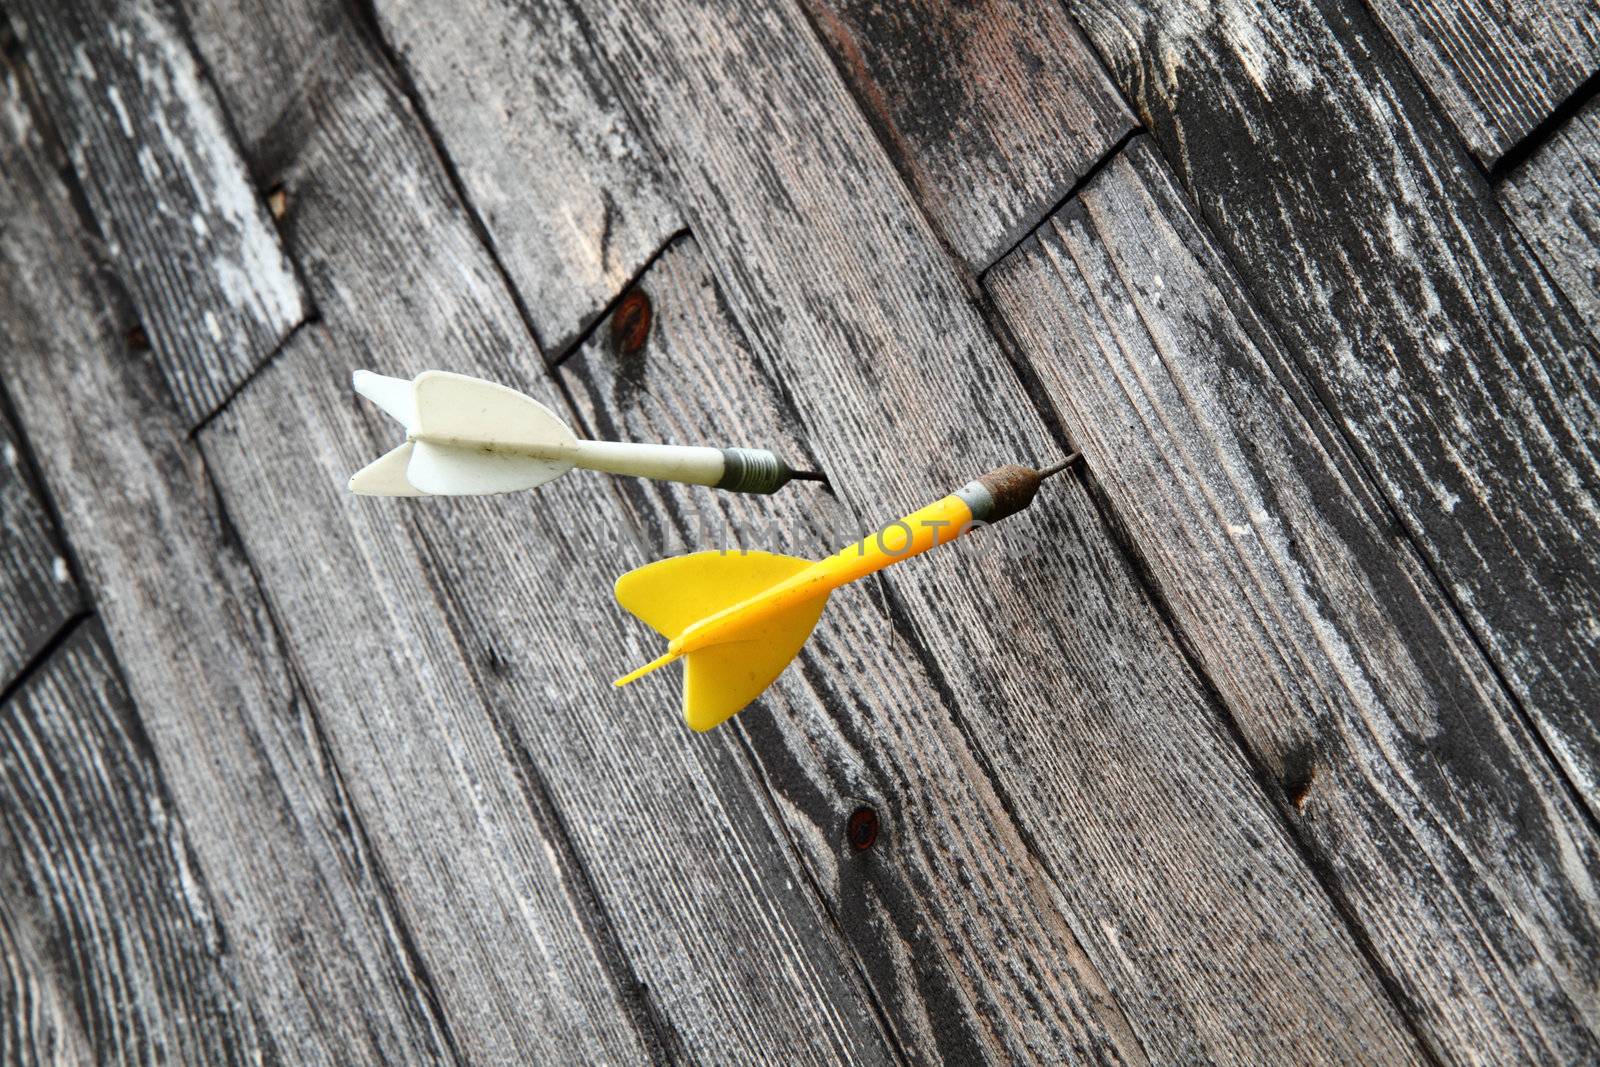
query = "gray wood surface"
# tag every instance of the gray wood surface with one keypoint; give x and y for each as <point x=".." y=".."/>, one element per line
<point x="529" y="828"/>
<point x="302" y="901"/>
<point x="189" y="235"/>
<point x="1554" y="198"/>
<point x="904" y="396"/>
<point x="548" y="160"/>
<point x="36" y="583"/>
<point x="1410" y="304"/>
<point x="39" y="1023"/>
<point x="991" y="111"/>
<point x="1264" y="736"/>
<point x="1498" y="69"/>
<point x="957" y="928"/>
<point x="478" y="879"/>
<point x="1351" y="678"/>
<point x="100" y="855"/>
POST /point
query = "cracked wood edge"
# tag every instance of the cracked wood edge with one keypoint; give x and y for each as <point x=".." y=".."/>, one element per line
<point x="567" y="194"/>
<point x="1554" y="198"/>
<point x="1497" y="69"/>
<point x="36" y="581"/>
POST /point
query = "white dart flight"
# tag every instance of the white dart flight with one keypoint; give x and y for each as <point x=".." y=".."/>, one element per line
<point x="467" y="436"/>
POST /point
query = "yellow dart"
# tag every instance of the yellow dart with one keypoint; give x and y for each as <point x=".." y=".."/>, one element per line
<point x="737" y="619"/>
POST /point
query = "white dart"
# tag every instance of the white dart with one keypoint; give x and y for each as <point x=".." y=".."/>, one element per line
<point x="466" y="436"/>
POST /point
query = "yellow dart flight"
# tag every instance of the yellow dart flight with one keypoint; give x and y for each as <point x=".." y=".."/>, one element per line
<point x="737" y="619"/>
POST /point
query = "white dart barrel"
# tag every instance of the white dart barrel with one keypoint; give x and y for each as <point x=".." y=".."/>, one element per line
<point x="738" y="470"/>
<point x="673" y="463"/>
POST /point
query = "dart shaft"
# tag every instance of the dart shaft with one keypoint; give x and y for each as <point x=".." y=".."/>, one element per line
<point x="690" y="464"/>
<point x="938" y="523"/>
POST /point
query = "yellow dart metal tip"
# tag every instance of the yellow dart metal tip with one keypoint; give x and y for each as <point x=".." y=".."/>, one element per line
<point x="655" y="664"/>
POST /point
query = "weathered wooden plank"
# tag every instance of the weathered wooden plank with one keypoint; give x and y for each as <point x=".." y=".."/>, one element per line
<point x="1410" y="305"/>
<point x="103" y="857"/>
<point x="301" y="899"/>
<point x="1117" y="766"/>
<point x="991" y="111"/>
<point x="518" y="969"/>
<point x="509" y="757"/>
<point x="271" y="69"/>
<point x="189" y="236"/>
<point x="548" y="159"/>
<point x="955" y="926"/>
<point x="38" y="1022"/>
<point x="36" y="582"/>
<point x="1554" y="198"/>
<point x="1349" y="675"/>
<point x="1497" y="69"/>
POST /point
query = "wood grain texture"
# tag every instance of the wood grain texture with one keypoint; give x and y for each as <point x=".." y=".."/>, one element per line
<point x="1349" y="675"/>
<point x="38" y="1022"/>
<point x="539" y="140"/>
<point x="1497" y="69"/>
<point x="300" y="897"/>
<point x="36" y="582"/>
<point x="991" y="111"/>
<point x="1409" y="304"/>
<point x="1176" y="874"/>
<point x="477" y="876"/>
<point x="102" y="857"/>
<point x="271" y="65"/>
<point x="190" y="238"/>
<point x="525" y="821"/>
<point x="956" y="926"/>
<point x="1554" y="198"/>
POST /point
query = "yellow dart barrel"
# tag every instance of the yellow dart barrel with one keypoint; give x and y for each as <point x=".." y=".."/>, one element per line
<point x="939" y="522"/>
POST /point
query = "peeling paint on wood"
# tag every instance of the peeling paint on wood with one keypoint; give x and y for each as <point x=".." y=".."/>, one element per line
<point x="186" y="229"/>
<point x="1410" y="306"/>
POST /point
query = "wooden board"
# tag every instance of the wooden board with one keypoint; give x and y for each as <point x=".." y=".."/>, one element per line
<point x="964" y="974"/>
<point x="103" y="857"/>
<point x="548" y="160"/>
<point x="305" y="906"/>
<point x="1090" y="724"/>
<point x="1554" y="198"/>
<point x="38" y="1021"/>
<point x="1412" y="308"/>
<point x="183" y="224"/>
<point x="273" y="65"/>
<point x="468" y="754"/>
<point x="991" y="111"/>
<point x="1497" y="69"/>
<point x="36" y="582"/>
<point x="1353" y="681"/>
